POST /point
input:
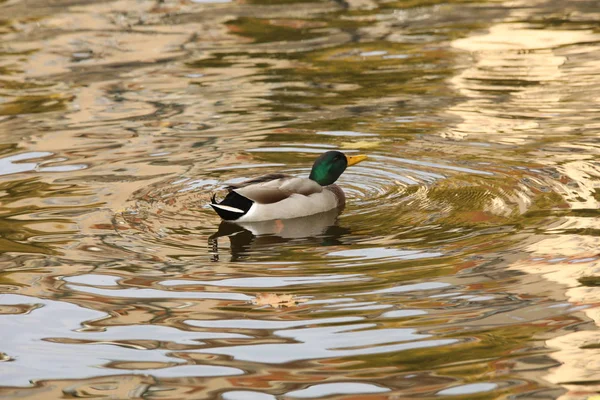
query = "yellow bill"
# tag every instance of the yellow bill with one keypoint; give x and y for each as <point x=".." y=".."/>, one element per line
<point x="355" y="159"/>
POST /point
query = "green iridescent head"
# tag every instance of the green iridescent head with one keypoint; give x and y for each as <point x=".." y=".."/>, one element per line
<point x="331" y="165"/>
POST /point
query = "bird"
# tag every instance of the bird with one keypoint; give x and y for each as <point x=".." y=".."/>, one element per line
<point x="280" y="196"/>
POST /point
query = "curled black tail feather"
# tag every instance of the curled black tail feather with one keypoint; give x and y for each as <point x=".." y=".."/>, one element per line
<point x="235" y="200"/>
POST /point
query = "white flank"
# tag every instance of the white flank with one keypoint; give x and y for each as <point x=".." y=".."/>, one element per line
<point x="295" y="206"/>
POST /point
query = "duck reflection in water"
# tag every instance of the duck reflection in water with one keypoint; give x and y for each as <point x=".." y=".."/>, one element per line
<point x="261" y="237"/>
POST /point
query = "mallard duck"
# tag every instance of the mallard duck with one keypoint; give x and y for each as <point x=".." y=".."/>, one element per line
<point x="279" y="196"/>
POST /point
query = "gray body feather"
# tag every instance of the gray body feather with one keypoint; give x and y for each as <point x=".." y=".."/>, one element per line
<point x="278" y="196"/>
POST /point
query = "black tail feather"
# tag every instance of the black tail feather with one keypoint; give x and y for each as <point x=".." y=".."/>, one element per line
<point x="234" y="200"/>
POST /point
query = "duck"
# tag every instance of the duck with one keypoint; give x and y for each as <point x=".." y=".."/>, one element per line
<point x="280" y="196"/>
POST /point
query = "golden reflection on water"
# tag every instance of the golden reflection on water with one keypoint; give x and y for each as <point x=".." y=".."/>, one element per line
<point x="444" y="276"/>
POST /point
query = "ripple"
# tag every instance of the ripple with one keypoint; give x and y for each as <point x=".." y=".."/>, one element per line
<point x="412" y="288"/>
<point x="136" y="293"/>
<point x="372" y="188"/>
<point x="36" y="340"/>
<point x="330" y="389"/>
<point x="12" y="165"/>
<point x="269" y="282"/>
<point x="332" y="342"/>
<point x="265" y="324"/>
<point x="377" y="253"/>
<point x="471" y="388"/>
<point x="481" y="135"/>
<point x="403" y="313"/>
<point x="93" y="280"/>
<point x="344" y="133"/>
<point x="246" y="395"/>
<point x="412" y="191"/>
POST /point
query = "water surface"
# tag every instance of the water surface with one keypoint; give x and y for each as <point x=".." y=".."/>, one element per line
<point x="451" y="273"/>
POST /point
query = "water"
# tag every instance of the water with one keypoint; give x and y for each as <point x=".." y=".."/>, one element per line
<point x="463" y="265"/>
